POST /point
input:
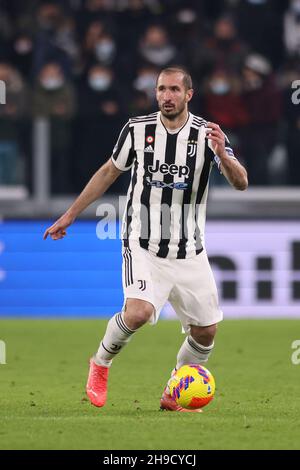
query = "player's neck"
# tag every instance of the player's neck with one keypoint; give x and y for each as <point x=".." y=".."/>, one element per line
<point x="176" y="123"/>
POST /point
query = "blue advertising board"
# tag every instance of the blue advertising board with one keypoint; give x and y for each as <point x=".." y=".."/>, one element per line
<point x="79" y="275"/>
<point x="256" y="265"/>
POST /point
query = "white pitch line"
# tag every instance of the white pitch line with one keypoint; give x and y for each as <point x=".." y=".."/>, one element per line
<point x="53" y="418"/>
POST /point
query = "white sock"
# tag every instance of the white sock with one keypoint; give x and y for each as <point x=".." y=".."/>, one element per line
<point x="192" y="352"/>
<point x="117" y="335"/>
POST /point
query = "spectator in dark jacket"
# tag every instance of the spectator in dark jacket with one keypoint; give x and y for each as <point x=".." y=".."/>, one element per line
<point x="222" y="101"/>
<point x="224" y="49"/>
<point x="13" y="113"/>
<point x="262" y="100"/>
<point x="54" y="99"/>
<point x="100" y="118"/>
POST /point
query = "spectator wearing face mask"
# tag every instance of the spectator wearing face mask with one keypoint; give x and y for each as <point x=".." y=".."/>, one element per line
<point x="55" y="38"/>
<point x="16" y="91"/>
<point x="13" y="115"/>
<point x="98" y="94"/>
<point x="94" y="11"/>
<point x="93" y="33"/>
<point x="135" y="16"/>
<point x="223" y="50"/>
<point x="222" y="103"/>
<point x="187" y="25"/>
<point x="263" y="102"/>
<point x="53" y="94"/>
<point x="100" y="114"/>
<point x="156" y="48"/>
<point x="54" y="98"/>
<point x="105" y="50"/>
<point x="22" y="53"/>
<point x="145" y="81"/>
<point x="292" y="29"/>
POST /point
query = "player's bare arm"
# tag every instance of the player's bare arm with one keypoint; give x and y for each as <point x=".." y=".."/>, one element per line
<point x="96" y="187"/>
<point x="234" y="172"/>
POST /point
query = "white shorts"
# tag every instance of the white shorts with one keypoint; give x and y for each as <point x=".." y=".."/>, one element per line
<point x="188" y="284"/>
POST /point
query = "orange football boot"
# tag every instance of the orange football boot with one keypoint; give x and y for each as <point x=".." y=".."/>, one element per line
<point x="96" y="387"/>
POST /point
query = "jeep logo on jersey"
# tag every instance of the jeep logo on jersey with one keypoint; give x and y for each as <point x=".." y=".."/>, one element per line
<point x="164" y="168"/>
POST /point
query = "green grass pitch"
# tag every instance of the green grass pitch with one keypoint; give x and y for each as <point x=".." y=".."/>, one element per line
<point x="43" y="403"/>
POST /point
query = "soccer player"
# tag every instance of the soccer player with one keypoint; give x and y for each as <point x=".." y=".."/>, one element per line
<point x="170" y="154"/>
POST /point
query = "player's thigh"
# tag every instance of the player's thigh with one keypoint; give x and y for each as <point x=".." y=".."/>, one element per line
<point x="195" y="296"/>
<point x="144" y="279"/>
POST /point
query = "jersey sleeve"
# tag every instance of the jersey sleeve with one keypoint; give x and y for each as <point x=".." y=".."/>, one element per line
<point x="123" y="152"/>
<point x="228" y="149"/>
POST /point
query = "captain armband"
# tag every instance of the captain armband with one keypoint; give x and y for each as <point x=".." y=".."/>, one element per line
<point x="229" y="153"/>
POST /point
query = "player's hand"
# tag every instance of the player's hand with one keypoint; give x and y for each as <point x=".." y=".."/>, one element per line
<point x="217" y="137"/>
<point x="58" y="229"/>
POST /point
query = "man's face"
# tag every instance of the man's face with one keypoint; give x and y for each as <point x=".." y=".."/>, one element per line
<point x="172" y="95"/>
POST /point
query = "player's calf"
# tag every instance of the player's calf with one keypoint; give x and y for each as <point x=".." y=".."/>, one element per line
<point x="117" y="335"/>
<point x="204" y="335"/>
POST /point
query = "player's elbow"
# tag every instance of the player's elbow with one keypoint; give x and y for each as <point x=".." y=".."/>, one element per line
<point x="111" y="171"/>
<point x="241" y="184"/>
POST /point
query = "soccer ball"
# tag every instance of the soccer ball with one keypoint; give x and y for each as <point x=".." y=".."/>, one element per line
<point x="192" y="386"/>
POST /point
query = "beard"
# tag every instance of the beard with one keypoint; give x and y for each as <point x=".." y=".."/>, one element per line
<point x="172" y="113"/>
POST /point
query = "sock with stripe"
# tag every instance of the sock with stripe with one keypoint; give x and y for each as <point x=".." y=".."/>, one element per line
<point x="117" y="335"/>
<point x="192" y="352"/>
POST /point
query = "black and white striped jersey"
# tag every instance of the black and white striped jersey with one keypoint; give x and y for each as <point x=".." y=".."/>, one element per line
<point x="166" y="199"/>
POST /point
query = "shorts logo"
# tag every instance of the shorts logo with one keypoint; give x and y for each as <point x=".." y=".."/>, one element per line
<point x="149" y="139"/>
<point x="191" y="148"/>
<point x="142" y="285"/>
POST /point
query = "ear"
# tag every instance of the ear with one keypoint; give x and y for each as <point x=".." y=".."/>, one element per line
<point x="189" y="95"/>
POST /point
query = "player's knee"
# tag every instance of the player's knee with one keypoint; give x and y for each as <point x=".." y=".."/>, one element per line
<point x="204" y="334"/>
<point x="137" y="313"/>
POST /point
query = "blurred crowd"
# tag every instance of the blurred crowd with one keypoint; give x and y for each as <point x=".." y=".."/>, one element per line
<point x="87" y="65"/>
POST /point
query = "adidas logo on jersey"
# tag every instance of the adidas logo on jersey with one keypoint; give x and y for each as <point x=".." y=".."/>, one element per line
<point x="149" y="149"/>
